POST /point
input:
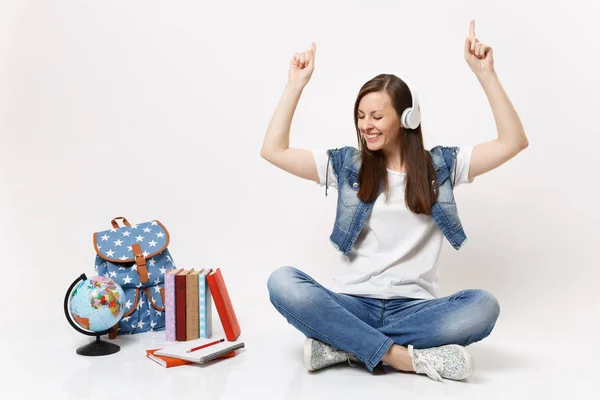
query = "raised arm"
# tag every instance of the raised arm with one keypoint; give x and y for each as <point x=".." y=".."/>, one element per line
<point x="276" y="149"/>
<point x="511" y="138"/>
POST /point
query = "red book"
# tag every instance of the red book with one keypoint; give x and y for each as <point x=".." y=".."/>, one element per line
<point x="165" y="361"/>
<point x="180" y="316"/>
<point x="222" y="301"/>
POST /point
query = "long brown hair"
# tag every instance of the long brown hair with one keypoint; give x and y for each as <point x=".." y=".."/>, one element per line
<point x="419" y="195"/>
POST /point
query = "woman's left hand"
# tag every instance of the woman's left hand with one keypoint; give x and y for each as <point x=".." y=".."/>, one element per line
<point x="479" y="56"/>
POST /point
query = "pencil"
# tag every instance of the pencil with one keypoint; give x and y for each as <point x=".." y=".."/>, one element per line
<point x="204" y="345"/>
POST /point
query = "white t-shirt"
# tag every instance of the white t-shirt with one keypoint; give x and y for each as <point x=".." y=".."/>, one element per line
<point x="396" y="252"/>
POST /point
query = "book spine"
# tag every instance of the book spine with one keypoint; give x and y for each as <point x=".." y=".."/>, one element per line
<point x="180" y="329"/>
<point x="223" y="305"/>
<point x="170" y="306"/>
<point x="209" y="307"/>
<point x="204" y="308"/>
<point x="191" y="307"/>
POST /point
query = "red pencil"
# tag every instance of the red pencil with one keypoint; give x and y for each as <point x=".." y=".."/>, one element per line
<point x="204" y="345"/>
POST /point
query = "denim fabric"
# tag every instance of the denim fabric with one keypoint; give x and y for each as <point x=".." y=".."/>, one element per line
<point x="367" y="327"/>
<point x="351" y="212"/>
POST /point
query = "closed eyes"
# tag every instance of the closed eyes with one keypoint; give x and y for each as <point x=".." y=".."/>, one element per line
<point x="359" y="117"/>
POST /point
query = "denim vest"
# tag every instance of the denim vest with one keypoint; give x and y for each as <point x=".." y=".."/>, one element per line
<point x="352" y="212"/>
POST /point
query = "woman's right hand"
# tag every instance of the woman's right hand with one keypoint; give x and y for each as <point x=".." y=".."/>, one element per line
<point x="302" y="67"/>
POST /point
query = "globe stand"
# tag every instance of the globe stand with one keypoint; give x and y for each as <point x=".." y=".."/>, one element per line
<point x="97" y="347"/>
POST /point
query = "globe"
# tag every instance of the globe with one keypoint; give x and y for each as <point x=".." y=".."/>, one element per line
<point x="92" y="307"/>
<point x="97" y="304"/>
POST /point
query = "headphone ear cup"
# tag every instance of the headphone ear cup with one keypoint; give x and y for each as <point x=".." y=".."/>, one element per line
<point x="406" y="118"/>
<point x="410" y="118"/>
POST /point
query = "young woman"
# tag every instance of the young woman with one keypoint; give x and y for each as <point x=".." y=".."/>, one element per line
<point x="395" y="207"/>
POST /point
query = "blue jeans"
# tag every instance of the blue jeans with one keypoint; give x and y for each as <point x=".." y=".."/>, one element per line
<point x="367" y="327"/>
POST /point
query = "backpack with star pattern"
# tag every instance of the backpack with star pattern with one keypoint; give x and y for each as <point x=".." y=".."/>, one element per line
<point x="136" y="257"/>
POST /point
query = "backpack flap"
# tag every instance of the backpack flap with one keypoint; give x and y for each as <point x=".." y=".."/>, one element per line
<point x="132" y="244"/>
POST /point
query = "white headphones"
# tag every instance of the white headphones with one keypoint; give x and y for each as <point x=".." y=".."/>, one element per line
<point x="411" y="117"/>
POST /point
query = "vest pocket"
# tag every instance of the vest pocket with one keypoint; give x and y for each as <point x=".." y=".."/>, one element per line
<point x="445" y="186"/>
<point x="349" y="189"/>
<point x="446" y="195"/>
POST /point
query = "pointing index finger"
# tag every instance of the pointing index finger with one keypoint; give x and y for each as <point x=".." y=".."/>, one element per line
<point x="472" y="29"/>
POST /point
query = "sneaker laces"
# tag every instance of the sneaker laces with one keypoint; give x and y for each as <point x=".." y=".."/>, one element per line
<point x="422" y="365"/>
<point x="352" y="357"/>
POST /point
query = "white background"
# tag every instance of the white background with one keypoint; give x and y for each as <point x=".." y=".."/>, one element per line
<point x="158" y="110"/>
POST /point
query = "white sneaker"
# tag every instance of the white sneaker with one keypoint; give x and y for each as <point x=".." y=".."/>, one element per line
<point x="319" y="355"/>
<point x="451" y="361"/>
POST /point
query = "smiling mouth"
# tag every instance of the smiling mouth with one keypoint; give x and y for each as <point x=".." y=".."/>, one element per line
<point x="373" y="137"/>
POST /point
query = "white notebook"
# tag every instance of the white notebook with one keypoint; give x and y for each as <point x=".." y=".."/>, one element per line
<point x="179" y="350"/>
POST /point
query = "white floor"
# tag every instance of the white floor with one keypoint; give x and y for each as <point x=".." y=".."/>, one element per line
<point x="270" y="367"/>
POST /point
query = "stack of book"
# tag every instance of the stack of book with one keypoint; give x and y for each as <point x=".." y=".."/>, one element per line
<point x="188" y="313"/>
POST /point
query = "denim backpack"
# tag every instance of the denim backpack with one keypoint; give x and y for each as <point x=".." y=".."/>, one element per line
<point x="137" y="258"/>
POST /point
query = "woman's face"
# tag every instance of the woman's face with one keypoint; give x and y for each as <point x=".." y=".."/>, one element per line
<point x="378" y="122"/>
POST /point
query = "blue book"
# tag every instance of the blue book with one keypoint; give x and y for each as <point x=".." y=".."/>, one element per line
<point x="204" y="306"/>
